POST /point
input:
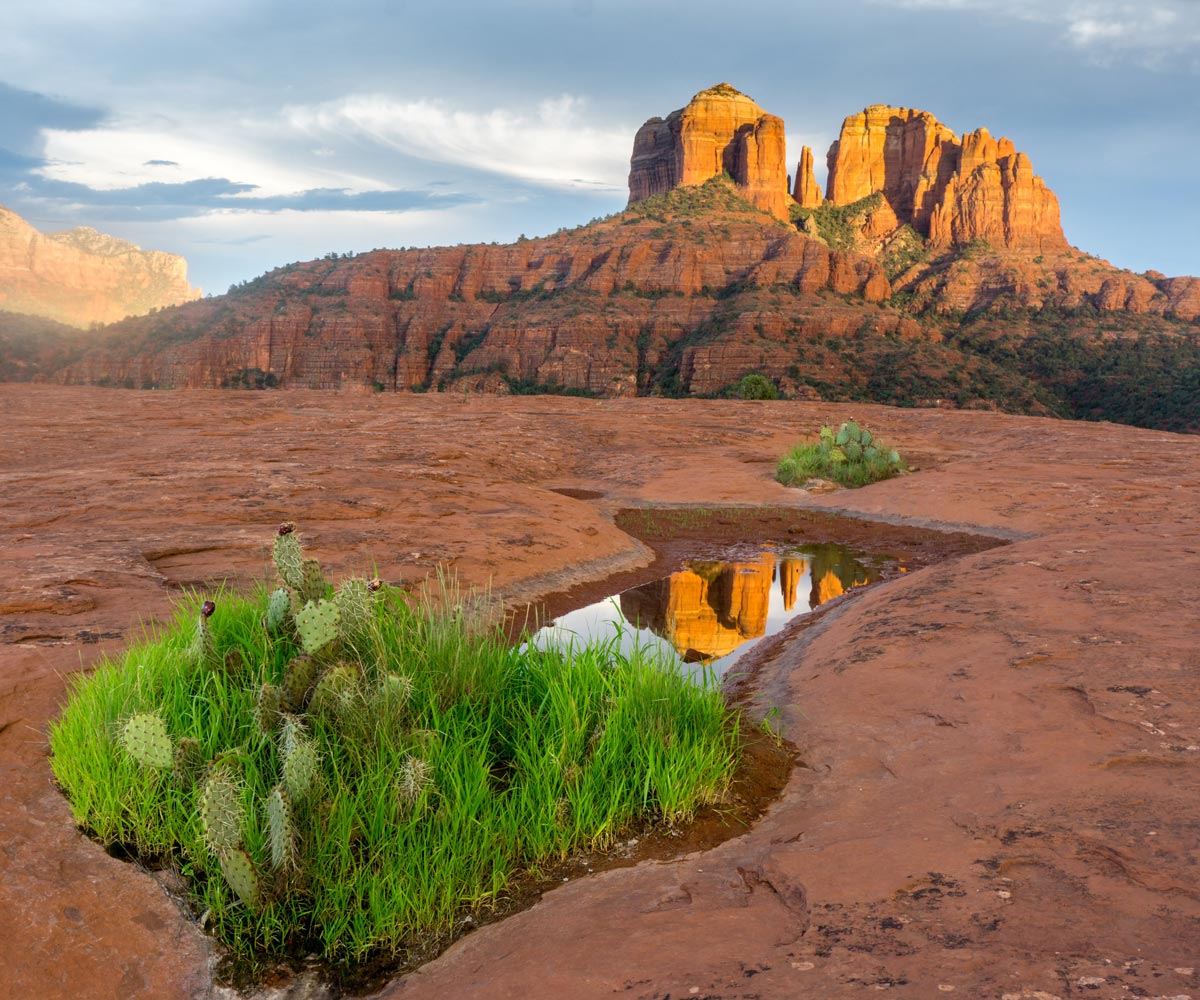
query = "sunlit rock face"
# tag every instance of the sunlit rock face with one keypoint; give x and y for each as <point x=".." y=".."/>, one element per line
<point x="953" y="191"/>
<point x="708" y="610"/>
<point x="81" y="277"/>
<point x="719" y="130"/>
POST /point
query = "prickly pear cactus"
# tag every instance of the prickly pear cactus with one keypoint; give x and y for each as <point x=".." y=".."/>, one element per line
<point x="238" y="869"/>
<point x="202" y="649"/>
<point x="289" y="559"/>
<point x="300" y="770"/>
<point x="354" y="599"/>
<point x="317" y="624"/>
<point x="278" y="606"/>
<point x="144" y="737"/>
<point x="189" y="762"/>
<point x="290" y="733"/>
<point x="280" y="830"/>
<point x="299" y="678"/>
<point x="415" y="774"/>
<point x="221" y="810"/>
<point x="394" y="692"/>
<point x="853" y="451"/>
<point x="312" y="586"/>
<point x="336" y="691"/>
<point x="269" y="705"/>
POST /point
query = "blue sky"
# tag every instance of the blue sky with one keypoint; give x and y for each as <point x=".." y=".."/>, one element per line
<point x="245" y="134"/>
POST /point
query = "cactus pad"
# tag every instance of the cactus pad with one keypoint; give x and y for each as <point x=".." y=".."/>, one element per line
<point x="280" y="830"/>
<point x="299" y="678"/>
<point x="239" y="872"/>
<point x="335" y="691"/>
<point x="289" y="560"/>
<point x="278" y="606"/>
<point x="144" y="737"/>
<point x="270" y="704"/>
<point x="395" y="691"/>
<point x="201" y="649"/>
<point x="312" y="585"/>
<point x="354" y="600"/>
<point x="221" y="811"/>
<point x="300" y="769"/>
<point x="854" y="451"/>
<point x="318" y="625"/>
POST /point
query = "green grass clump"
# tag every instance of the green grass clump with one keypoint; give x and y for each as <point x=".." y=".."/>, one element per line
<point x="851" y="456"/>
<point x="358" y="799"/>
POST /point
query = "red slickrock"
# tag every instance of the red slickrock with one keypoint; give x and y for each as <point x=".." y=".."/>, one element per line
<point x="806" y="193"/>
<point x="81" y="277"/>
<point x="720" y="130"/>
<point x="952" y="191"/>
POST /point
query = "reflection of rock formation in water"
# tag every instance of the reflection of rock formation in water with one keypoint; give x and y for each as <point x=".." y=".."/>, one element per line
<point x="791" y="572"/>
<point x="834" y="571"/>
<point x="707" y="610"/>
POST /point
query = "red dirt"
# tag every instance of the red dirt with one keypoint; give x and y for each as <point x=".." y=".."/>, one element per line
<point x="1002" y="776"/>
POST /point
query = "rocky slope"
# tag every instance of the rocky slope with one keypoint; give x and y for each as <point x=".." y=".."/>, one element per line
<point x="82" y="277"/>
<point x="720" y="130"/>
<point x="696" y="286"/>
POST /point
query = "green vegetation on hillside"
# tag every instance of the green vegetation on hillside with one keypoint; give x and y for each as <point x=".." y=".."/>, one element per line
<point x="837" y="225"/>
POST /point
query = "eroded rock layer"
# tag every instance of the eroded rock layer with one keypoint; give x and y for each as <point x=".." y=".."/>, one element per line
<point x="952" y="191"/>
<point x="720" y="130"/>
<point x="81" y="277"/>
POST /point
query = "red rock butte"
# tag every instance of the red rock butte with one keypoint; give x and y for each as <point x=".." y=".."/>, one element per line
<point x="720" y="130"/>
<point x="952" y="191"/>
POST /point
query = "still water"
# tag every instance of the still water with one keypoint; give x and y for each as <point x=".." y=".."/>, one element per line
<point x="710" y="613"/>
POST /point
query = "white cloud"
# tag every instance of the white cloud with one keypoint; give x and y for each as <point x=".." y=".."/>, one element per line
<point x="550" y="144"/>
<point x="1155" y="33"/>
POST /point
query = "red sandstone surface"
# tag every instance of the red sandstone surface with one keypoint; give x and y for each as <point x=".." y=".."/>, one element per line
<point x="998" y="775"/>
<point x="81" y="277"/>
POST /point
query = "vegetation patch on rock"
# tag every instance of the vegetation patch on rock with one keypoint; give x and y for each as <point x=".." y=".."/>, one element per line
<point x="851" y="456"/>
<point x="354" y="772"/>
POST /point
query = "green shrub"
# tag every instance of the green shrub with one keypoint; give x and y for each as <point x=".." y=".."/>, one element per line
<point x="755" y="387"/>
<point x="851" y="456"/>
<point x="351" y="772"/>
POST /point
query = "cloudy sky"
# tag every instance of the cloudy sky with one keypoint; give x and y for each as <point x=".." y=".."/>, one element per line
<point x="245" y="134"/>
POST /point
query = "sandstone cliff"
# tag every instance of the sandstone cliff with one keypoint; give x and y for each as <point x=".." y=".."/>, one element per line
<point x="720" y="130"/>
<point x="697" y="291"/>
<point x="81" y="277"/>
<point x="951" y="191"/>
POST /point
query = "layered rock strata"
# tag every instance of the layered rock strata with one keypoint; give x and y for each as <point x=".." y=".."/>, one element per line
<point x="719" y="131"/>
<point x="82" y="277"/>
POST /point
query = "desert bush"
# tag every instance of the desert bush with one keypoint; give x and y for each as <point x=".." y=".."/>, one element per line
<point x="755" y="387"/>
<point x="353" y="771"/>
<point x="851" y="456"/>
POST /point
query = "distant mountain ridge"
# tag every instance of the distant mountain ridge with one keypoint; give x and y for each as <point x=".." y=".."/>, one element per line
<point x="945" y="281"/>
<point x="81" y="277"/>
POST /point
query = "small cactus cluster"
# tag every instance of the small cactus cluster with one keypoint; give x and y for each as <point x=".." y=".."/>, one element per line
<point x="323" y="680"/>
<point x="852" y="443"/>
